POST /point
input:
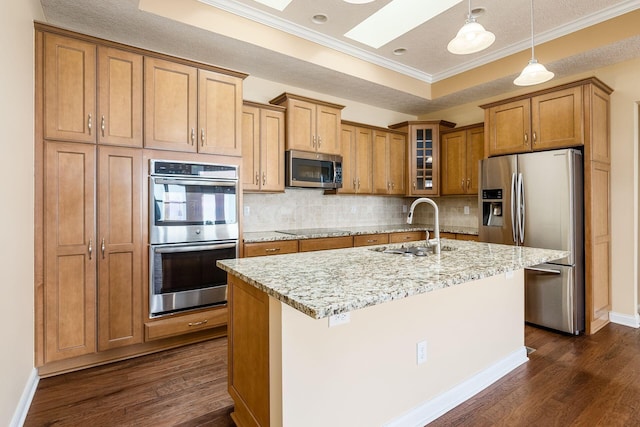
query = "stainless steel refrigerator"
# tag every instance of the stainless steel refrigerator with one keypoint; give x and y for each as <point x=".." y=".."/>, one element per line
<point x="536" y="200"/>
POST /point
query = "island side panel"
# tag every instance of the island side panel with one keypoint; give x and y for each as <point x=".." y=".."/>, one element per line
<point x="248" y="335"/>
<point x="365" y="372"/>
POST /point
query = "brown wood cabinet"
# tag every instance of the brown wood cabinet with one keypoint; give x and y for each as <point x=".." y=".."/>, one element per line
<point x="458" y="236"/>
<point x="312" y="125"/>
<point x="325" y="243"/>
<point x="389" y="151"/>
<point x="461" y="151"/>
<point x="91" y="94"/>
<point x="553" y="119"/>
<point x="370" y="239"/>
<point x="574" y="114"/>
<point x="356" y="151"/>
<point x="263" y="141"/>
<point x="276" y="247"/>
<point x="191" y="109"/>
<point x="423" y="156"/>
<point x="186" y="323"/>
<point x="407" y="236"/>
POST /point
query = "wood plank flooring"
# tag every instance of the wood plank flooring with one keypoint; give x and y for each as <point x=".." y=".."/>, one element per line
<point x="568" y="381"/>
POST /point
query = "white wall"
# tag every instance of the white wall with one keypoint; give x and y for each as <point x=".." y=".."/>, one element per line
<point x="16" y="213"/>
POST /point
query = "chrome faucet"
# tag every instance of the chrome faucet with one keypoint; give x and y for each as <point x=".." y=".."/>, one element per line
<point x="435" y="242"/>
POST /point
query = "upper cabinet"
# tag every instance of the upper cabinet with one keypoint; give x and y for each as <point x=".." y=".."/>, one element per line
<point x="312" y="125"/>
<point x="91" y="94"/>
<point x="461" y="151"/>
<point x="549" y="119"/>
<point x="389" y="151"/>
<point x="356" y="151"/>
<point x="423" y="155"/>
<point x="262" y="147"/>
<point x="191" y="109"/>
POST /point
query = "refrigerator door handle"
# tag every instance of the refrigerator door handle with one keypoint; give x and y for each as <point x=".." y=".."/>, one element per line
<point x="514" y="229"/>
<point x="521" y="207"/>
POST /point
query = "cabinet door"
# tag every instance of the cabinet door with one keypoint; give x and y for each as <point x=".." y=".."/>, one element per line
<point x="509" y="128"/>
<point x="301" y="125"/>
<point x="119" y="247"/>
<point x="364" y="161"/>
<point x="272" y="150"/>
<point x="380" y="179"/>
<point x="328" y="129"/>
<point x="69" y="89"/>
<point x="348" y="153"/>
<point x="250" y="148"/>
<point x="170" y="105"/>
<point x="453" y="163"/>
<point x="219" y="114"/>
<point x="557" y="119"/>
<point x="397" y="153"/>
<point x="475" y="153"/>
<point x="120" y="97"/>
<point x="70" y="251"/>
<point x="424" y="160"/>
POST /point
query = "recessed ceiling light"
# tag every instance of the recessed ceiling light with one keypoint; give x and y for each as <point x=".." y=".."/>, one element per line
<point x="405" y="15"/>
<point x="399" y="51"/>
<point x="320" y="18"/>
<point x="276" y="4"/>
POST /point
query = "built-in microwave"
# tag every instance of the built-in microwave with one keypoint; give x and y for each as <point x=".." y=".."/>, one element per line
<point x="313" y="170"/>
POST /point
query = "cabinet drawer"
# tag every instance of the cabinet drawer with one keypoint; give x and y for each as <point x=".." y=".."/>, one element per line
<point x="370" y="239"/>
<point x="407" y="236"/>
<point x="185" y="324"/>
<point x="445" y="235"/>
<point x="325" y="243"/>
<point x="270" y="248"/>
<point x="470" y="237"/>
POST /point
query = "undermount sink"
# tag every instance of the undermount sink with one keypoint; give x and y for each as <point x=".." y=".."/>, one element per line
<point x="409" y="251"/>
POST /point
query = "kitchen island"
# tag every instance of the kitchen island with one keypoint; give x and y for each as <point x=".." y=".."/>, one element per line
<point x="361" y="337"/>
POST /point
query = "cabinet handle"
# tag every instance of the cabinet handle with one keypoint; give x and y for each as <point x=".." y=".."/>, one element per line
<point x="102" y="248"/>
<point x="388" y="185"/>
<point x="90" y="123"/>
<point x="271" y="250"/>
<point x="193" y="136"/>
<point x="393" y="185"/>
<point x="468" y="183"/>
<point x="462" y="184"/>
<point x="319" y="141"/>
<point x="414" y="185"/>
<point x="354" y="183"/>
<point x="314" y="141"/>
<point x="102" y="125"/>
<point x="202" y="137"/>
<point x="535" y="138"/>
<point x="202" y="322"/>
<point x="257" y="178"/>
<point x="90" y="249"/>
<point x="358" y="183"/>
<point x="264" y="178"/>
<point x="372" y="241"/>
<point x="526" y="138"/>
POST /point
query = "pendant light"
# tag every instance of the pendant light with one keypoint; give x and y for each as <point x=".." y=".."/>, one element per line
<point x="471" y="38"/>
<point x="534" y="73"/>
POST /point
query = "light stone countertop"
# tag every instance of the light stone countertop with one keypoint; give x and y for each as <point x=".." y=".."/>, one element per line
<point x="324" y="283"/>
<point x="272" y="236"/>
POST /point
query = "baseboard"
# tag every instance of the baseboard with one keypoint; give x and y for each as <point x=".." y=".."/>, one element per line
<point x="434" y="408"/>
<point x="20" y="414"/>
<point x="632" y="321"/>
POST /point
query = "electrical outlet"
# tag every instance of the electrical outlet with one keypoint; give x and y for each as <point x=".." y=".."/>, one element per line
<point x="339" y="319"/>
<point x="421" y="352"/>
<point x="247" y="210"/>
<point x="353" y="209"/>
<point x="466" y="210"/>
<point x="404" y="208"/>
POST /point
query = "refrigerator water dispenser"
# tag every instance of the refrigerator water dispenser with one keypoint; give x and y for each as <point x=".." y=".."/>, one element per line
<point x="492" y="208"/>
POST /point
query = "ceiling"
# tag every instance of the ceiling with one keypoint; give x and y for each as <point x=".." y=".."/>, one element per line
<point x="572" y="36"/>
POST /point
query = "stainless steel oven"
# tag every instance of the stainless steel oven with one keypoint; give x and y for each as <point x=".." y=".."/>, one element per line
<point x="193" y="222"/>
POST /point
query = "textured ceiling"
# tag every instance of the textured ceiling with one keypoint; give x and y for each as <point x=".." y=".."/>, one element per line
<point x="122" y="21"/>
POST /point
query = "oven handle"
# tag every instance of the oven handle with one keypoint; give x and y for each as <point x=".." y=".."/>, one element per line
<point x="208" y="182"/>
<point x="170" y="249"/>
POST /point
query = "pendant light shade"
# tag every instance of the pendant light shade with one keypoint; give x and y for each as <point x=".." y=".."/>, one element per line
<point x="534" y="73"/>
<point x="471" y="38"/>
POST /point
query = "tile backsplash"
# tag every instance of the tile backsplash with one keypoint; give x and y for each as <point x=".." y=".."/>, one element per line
<point x="310" y="208"/>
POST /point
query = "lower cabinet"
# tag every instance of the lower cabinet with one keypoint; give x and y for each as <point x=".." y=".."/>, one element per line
<point x="172" y="326"/>
<point x="459" y="236"/>
<point x="407" y="236"/>
<point x="370" y="239"/>
<point x="308" y="245"/>
<point x="277" y="247"/>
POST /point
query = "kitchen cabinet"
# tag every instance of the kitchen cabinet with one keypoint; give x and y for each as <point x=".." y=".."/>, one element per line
<point x="407" y="236"/>
<point x="552" y="119"/>
<point x="423" y="156"/>
<point x="191" y="109"/>
<point x="461" y="151"/>
<point x="91" y="93"/>
<point x="356" y="151"/>
<point x="325" y="243"/>
<point x="458" y="236"/>
<point x="312" y="125"/>
<point x="573" y="114"/>
<point x="197" y="321"/>
<point x="263" y="141"/>
<point x="370" y="239"/>
<point x="276" y="247"/>
<point x="389" y="150"/>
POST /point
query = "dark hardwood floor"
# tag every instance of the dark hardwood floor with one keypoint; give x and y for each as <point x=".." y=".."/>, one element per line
<point x="568" y="381"/>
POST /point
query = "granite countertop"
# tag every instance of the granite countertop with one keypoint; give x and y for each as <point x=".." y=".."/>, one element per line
<point x="324" y="283"/>
<point x="272" y="236"/>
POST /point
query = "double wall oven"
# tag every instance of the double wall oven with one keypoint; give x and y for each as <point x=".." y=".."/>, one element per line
<point x="193" y="218"/>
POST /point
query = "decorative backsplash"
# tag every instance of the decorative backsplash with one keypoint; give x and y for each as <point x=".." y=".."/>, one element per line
<point x="310" y="208"/>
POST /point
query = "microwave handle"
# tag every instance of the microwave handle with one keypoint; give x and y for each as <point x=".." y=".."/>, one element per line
<point x="171" y="249"/>
<point x="210" y="183"/>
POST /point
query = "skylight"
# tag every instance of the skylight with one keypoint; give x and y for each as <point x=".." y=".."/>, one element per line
<point x="395" y="19"/>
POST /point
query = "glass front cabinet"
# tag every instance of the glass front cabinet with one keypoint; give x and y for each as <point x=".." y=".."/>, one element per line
<point x="423" y="155"/>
